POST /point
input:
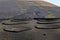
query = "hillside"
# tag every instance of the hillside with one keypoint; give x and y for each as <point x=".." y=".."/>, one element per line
<point x="13" y="8"/>
<point x="43" y="3"/>
<point x="37" y="9"/>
